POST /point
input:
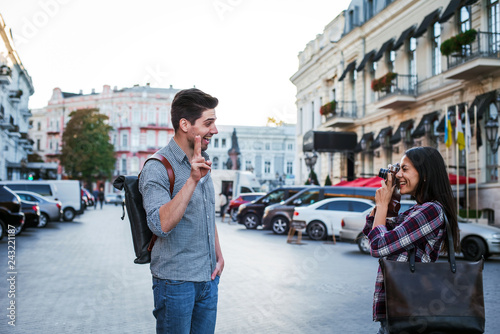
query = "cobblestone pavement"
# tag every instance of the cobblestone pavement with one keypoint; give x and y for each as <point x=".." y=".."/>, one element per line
<point x="79" y="277"/>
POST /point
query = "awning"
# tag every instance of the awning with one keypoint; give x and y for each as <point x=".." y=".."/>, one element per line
<point x="482" y="103"/>
<point x="368" y="138"/>
<point x="382" y="134"/>
<point x="348" y="69"/>
<point x="329" y="141"/>
<point x="373" y="182"/>
<point x="396" y="138"/>
<point x="366" y="58"/>
<point x="404" y="36"/>
<point x="386" y="46"/>
<point x="450" y="10"/>
<point x="428" y="20"/>
<point x="420" y="129"/>
<point x="461" y="179"/>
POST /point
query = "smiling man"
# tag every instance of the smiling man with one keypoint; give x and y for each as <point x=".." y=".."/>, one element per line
<point x="186" y="260"/>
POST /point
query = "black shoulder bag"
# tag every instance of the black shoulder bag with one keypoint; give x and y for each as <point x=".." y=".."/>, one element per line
<point x="436" y="297"/>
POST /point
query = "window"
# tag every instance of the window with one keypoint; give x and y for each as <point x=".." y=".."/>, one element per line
<point x="412" y="57"/>
<point x="267" y="167"/>
<point x="163" y="118"/>
<point x="307" y="198"/>
<point x="494" y="23"/>
<point x="436" y="52"/>
<point x="391" y="60"/>
<point x="268" y="146"/>
<point x="369" y="9"/>
<point x="124" y="140"/>
<point x="491" y="158"/>
<point x="290" y="147"/>
<point x="313" y="111"/>
<point x="216" y="163"/>
<point x="162" y="138"/>
<point x="275" y="197"/>
<point x="223" y="142"/>
<point x="39" y="126"/>
<point x="136" y="117"/>
<point x="151" y="138"/>
<point x="464" y="18"/>
<point x="216" y="142"/>
<point x="38" y="144"/>
<point x="124" y="166"/>
<point x="248" y="165"/>
<point x="351" y="20"/>
<point x="134" y="165"/>
<point x="134" y="142"/>
<point x="151" y="117"/>
<point x="289" y="167"/>
<point x="360" y="206"/>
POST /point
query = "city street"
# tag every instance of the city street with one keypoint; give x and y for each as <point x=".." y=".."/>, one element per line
<point x="79" y="277"/>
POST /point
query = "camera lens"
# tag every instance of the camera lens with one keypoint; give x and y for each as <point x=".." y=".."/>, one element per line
<point x="383" y="173"/>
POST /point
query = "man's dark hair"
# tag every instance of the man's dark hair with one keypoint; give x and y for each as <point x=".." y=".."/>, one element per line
<point x="434" y="185"/>
<point x="190" y="104"/>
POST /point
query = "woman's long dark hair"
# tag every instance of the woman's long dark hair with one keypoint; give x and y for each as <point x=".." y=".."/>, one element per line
<point x="434" y="185"/>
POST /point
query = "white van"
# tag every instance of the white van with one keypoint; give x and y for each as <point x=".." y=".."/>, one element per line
<point x="233" y="183"/>
<point x="66" y="191"/>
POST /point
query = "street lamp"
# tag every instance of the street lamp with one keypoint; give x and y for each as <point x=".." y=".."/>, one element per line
<point x="491" y="128"/>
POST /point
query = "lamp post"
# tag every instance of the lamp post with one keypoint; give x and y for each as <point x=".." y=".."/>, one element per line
<point x="430" y="131"/>
<point x="491" y="128"/>
<point x="310" y="160"/>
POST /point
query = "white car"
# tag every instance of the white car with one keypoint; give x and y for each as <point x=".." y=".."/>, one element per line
<point x="352" y="227"/>
<point x="323" y="218"/>
<point x="476" y="240"/>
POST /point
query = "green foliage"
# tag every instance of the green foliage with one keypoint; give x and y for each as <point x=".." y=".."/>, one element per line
<point x="87" y="153"/>
<point x="384" y="83"/>
<point x="473" y="214"/>
<point x="328" y="108"/>
<point x="312" y="179"/>
<point x="455" y="44"/>
<point x="328" y="182"/>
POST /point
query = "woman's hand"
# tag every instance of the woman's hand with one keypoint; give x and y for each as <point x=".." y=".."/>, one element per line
<point x="384" y="193"/>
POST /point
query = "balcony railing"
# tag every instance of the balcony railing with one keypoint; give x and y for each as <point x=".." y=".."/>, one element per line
<point x="401" y="92"/>
<point x="486" y="45"/>
<point x="345" y="113"/>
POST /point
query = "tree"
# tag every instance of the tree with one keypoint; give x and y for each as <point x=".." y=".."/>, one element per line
<point x="328" y="182"/>
<point x="313" y="179"/>
<point x="87" y="153"/>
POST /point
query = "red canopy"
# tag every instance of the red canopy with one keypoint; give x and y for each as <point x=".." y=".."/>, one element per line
<point x="461" y="179"/>
<point x="362" y="182"/>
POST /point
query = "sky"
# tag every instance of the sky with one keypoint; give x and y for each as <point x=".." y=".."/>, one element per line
<point x="241" y="51"/>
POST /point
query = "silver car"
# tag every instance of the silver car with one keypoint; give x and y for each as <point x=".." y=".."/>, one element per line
<point x="50" y="210"/>
<point x="476" y="240"/>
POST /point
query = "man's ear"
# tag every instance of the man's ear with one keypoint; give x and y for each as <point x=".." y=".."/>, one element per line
<point x="184" y="124"/>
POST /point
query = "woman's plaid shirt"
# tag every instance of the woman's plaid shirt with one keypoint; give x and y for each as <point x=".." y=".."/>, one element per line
<point x="422" y="226"/>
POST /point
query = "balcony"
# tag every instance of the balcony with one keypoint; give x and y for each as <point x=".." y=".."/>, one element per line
<point x="344" y="113"/>
<point x="481" y="57"/>
<point x="15" y="96"/>
<point x="53" y="132"/>
<point x="400" y="92"/>
<point x="26" y="113"/>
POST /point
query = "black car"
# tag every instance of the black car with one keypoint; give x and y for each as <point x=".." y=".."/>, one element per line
<point x="31" y="213"/>
<point x="10" y="211"/>
<point x="250" y="214"/>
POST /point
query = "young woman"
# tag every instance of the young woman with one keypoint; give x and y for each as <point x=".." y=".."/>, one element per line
<point x="423" y="176"/>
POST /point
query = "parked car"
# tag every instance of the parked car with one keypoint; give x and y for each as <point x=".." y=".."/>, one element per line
<point x="90" y="197"/>
<point x="31" y="213"/>
<point x="10" y="211"/>
<point x="277" y="217"/>
<point x="476" y="240"/>
<point x="250" y="214"/>
<point x="235" y="203"/>
<point x="50" y="210"/>
<point x="352" y="227"/>
<point x="324" y="218"/>
<point x="113" y="199"/>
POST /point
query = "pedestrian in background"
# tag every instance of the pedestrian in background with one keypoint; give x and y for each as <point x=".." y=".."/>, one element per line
<point x="422" y="227"/>
<point x="95" y="193"/>
<point x="223" y="205"/>
<point x="101" y="196"/>
<point x="186" y="260"/>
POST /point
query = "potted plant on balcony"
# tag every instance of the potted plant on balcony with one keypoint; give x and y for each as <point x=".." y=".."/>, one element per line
<point x="455" y="45"/>
<point x="328" y="109"/>
<point x="384" y="83"/>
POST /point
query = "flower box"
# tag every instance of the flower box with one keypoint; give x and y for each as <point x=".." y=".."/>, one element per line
<point x="384" y="83"/>
<point x="328" y="109"/>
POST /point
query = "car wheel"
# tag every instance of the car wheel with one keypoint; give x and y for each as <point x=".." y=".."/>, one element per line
<point x="251" y="220"/>
<point x="68" y="214"/>
<point x="363" y="244"/>
<point x="234" y="214"/>
<point x="280" y="225"/>
<point x="44" y="219"/>
<point x="473" y="248"/>
<point x="2" y="229"/>
<point x="316" y="230"/>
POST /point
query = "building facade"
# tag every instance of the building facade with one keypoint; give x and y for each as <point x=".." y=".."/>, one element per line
<point x="15" y="89"/>
<point x="140" y="117"/>
<point x="269" y="152"/>
<point x="390" y="72"/>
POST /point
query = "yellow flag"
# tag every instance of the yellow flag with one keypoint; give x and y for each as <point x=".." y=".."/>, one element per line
<point x="459" y="133"/>
<point x="447" y="130"/>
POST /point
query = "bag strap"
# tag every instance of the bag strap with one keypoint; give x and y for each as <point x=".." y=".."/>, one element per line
<point x="168" y="167"/>
<point x="451" y="249"/>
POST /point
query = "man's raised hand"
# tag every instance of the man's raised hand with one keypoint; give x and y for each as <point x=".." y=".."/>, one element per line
<point x="199" y="167"/>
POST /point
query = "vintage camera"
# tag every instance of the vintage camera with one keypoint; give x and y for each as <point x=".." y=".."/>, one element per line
<point x="394" y="204"/>
<point x="394" y="169"/>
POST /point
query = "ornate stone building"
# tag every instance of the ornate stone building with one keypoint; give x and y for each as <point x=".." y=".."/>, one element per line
<point x="389" y="71"/>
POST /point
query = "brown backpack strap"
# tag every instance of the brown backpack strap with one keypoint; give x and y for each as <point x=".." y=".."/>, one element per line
<point x="168" y="167"/>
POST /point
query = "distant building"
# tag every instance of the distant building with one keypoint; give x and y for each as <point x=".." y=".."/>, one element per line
<point x="269" y="152"/>
<point x="15" y="89"/>
<point x="388" y="72"/>
<point x="140" y="116"/>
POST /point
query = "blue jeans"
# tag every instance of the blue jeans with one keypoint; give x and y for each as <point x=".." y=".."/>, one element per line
<point x="183" y="307"/>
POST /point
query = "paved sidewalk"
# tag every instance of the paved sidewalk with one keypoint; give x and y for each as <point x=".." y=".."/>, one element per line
<point x="79" y="277"/>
